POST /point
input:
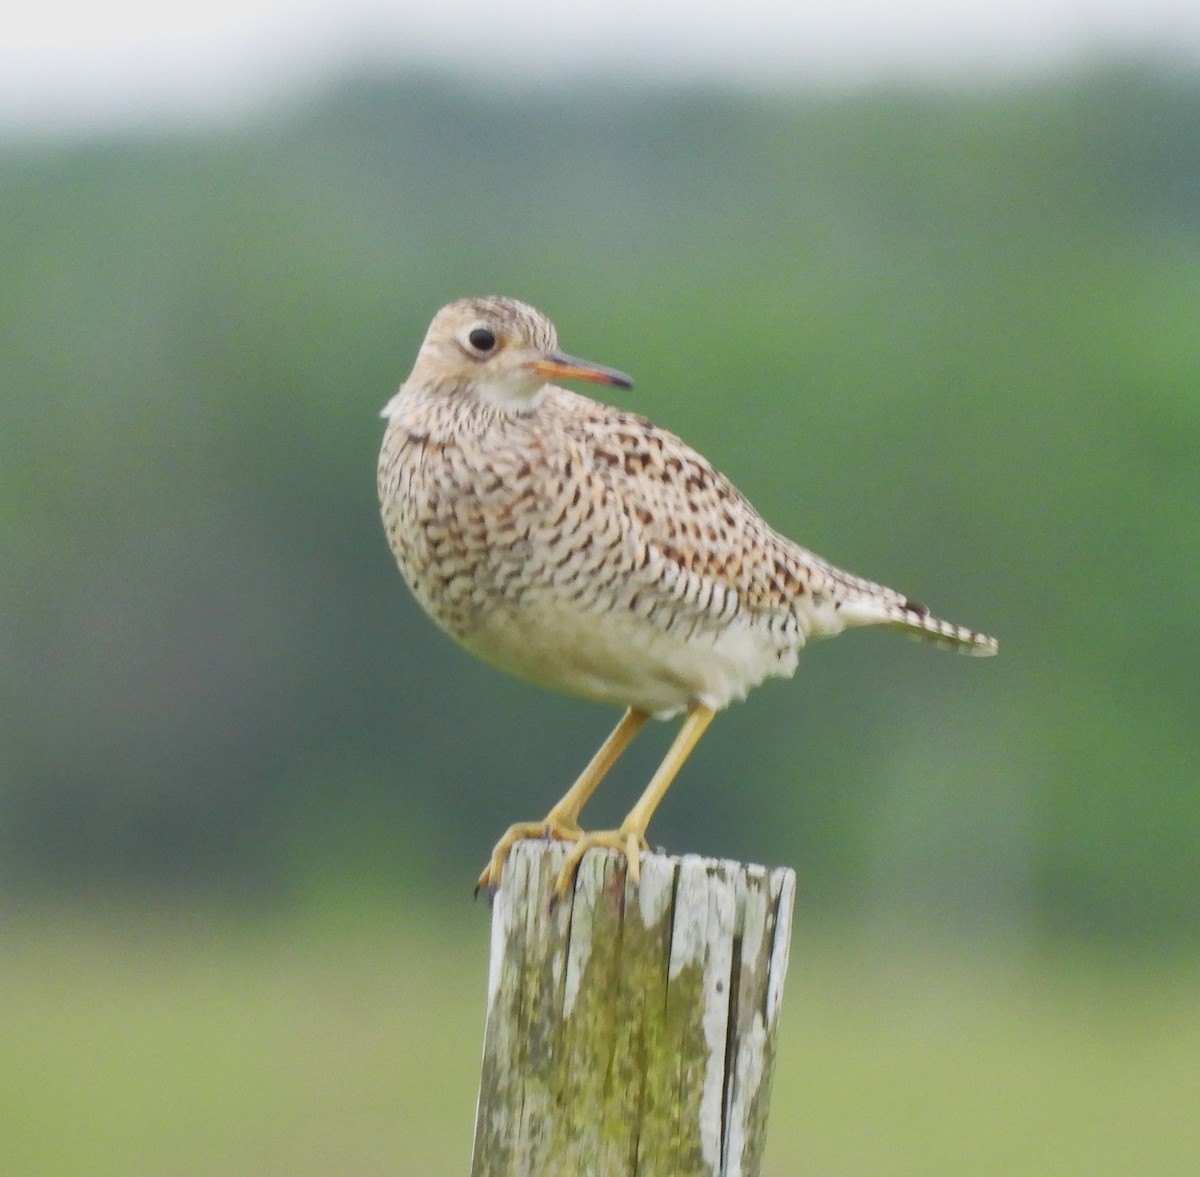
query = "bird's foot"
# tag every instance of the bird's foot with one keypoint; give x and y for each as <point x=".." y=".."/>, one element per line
<point x="628" y="840"/>
<point x="553" y="826"/>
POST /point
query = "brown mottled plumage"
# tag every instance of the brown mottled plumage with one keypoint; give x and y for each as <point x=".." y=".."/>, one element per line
<point x="585" y="549"/>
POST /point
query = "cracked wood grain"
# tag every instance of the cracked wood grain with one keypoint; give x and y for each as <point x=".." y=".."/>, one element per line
<point x="631" y="1029"/>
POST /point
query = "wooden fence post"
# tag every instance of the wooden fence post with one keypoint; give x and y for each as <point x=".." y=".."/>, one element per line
<point x="631" y="1031"/>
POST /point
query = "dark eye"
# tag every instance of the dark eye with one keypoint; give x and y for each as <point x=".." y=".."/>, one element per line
<point x="481" y="339"/>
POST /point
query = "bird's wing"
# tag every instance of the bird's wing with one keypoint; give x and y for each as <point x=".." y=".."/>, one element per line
<point x="685" y="549"/>
<point x="695" y="540"/>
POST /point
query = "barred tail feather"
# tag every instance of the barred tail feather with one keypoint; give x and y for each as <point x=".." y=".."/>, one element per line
<point x="916" y="621"/>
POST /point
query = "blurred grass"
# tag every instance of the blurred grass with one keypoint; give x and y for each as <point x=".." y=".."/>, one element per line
<point x="181" y="1042"/>
<point x="184" y="1043"/>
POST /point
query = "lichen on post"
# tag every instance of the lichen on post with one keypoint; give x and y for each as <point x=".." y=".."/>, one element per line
<point x="631" y="1029"/>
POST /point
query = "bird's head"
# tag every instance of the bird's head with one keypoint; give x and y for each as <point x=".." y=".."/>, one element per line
<point x="500" y="350"/>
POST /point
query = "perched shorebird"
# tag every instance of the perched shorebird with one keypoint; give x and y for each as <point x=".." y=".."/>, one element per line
<point x="583" y="548"/>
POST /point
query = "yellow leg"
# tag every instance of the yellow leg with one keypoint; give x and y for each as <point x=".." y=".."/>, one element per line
<point x="563" y="820"/>
<point x="631" y="837"/>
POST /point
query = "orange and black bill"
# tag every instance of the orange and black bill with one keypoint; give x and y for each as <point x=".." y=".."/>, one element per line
<point x="558" y="366"/>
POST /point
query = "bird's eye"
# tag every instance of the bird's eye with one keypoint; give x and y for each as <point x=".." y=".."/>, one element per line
<point x="481" y="339"/>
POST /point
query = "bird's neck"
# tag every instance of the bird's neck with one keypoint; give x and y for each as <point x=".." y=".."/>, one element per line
<point x="446" y="413"/>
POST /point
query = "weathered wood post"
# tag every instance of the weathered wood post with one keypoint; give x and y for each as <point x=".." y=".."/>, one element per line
<point x="631" y="1030"/>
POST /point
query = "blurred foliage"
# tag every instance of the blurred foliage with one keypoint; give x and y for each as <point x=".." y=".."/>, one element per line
<point x="946" y="339"/>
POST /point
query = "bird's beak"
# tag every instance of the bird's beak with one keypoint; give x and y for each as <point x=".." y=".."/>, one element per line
<point x="558" y="366"/>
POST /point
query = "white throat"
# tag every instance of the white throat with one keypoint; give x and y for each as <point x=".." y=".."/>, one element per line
<point x="519" y="393"/>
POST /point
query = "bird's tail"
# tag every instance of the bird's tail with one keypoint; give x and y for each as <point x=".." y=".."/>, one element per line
<point x="916" y="621"/>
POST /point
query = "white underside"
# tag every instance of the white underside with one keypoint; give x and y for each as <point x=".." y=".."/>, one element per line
<point x="590" y="655"/>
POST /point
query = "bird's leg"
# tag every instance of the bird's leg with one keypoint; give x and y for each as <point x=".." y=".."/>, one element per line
<point x="563" y="819"/>
<point x="630" y="839"/>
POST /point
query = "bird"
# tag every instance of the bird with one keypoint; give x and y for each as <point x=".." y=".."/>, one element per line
<point x="583" y="548"/>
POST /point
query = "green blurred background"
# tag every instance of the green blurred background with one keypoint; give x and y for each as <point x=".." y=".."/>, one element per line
<point x="949" y="339"/>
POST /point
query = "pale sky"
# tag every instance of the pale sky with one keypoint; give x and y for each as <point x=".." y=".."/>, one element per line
<point x="81" y="62"/>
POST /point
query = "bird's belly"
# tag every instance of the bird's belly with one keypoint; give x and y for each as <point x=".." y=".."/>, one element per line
<point x="622" y="659"/>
